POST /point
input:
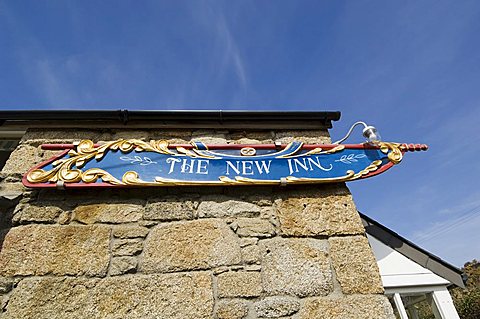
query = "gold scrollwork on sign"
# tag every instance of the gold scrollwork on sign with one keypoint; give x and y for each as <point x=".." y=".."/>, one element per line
<point x="85" y="151"/>
<point x="69" y="169"/>
<point x="395" y="155"/>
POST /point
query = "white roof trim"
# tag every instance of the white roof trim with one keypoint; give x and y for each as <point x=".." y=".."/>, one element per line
<point x="397" y="270"/>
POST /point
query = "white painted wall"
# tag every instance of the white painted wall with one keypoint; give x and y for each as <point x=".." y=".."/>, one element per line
<point x="397" y="270"/>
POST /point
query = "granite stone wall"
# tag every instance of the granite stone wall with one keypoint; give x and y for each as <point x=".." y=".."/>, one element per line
<point x="185" y="252"/>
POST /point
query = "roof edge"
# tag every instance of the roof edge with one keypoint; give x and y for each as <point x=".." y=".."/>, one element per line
<point x="172" y="118"/>
<point x="413" y="251"/>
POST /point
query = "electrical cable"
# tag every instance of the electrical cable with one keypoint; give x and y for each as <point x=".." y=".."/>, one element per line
<point x="350" y="131"/>
<point x="449" y="227"/>
<point x="459" y="219"/>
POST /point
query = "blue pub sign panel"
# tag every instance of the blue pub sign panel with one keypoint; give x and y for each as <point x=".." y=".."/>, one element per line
<point x="156" y="163"/>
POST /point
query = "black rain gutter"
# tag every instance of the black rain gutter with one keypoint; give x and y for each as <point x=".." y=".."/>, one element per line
<point x="287" y="119"/>
<point x="413" y="252"/>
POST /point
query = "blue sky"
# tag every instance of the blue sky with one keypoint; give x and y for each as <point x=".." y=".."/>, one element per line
<point x="411" y="68"/>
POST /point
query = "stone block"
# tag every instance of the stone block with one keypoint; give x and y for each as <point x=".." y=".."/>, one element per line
<point x="171" y="296"/>
<point x="125" y="231"/>
<point x="108" y="213"/>
<point x="344" y="218"/>
<point x="355" y="266"/>
<point x="239" y="284"/>
<point x="275" y="307"/>
<point x="296" y="266"/>
<point x="262" y="200"/>
<point x="232" y="309"/>
<point x="348" y="307"/>
<point x="127" y="247"/>
<point x="123" y="265"/>
<point x="264" y="136"/>
<point x="64" y="218"/>
<point x="6" y="285"/>
<point x="245" y="140"/>
<point x="131" y="134"/>
<point x="171" y="134"/>
<point x="167" y="209"/>
<point x="254" y="227"/>
<point x="305" y="136"/>
<point x="58" y="250"/>
<point x="199" y="244"/>
<point x="224" y="207"/>
<point x="147" y="223"/>
<point x="247" y="241"/>
<point x="208" y="137"/>
<point x="26" y="213"/>
<point x="251" y="254"/>
<point x="42" y="136"/>
<point x="11" y="191"/>
<point x="21" y="160"/>
<point x="323" y="213"/>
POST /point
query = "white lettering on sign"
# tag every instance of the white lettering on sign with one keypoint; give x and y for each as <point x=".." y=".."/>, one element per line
<point x="243" y="167"/>
<point x="202" y="167"/>
<point x="248" y="167"/>
<point x="235" y="168"/>
<point x="262" y="166"/>
<point x="189" y="166"/>
<point x="172" y="161"/>
<point x="306" y="164"/>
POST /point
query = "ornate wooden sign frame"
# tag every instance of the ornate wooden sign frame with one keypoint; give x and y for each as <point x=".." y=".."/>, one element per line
<point x="136" y="163"/>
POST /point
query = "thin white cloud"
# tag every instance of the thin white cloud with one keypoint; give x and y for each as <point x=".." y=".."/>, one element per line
<point x="227" y="52"/>
<point x="231" y="49"/>
<point x="50" y="82"/>
<point x="457" y="241"/>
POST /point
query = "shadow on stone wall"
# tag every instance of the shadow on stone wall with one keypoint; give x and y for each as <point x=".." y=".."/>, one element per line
<point x="6" y="215"/>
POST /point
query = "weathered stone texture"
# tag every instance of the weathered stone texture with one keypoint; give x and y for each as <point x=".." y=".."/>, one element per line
<point x="247" y="241"/>
<point x="131" y="134"/>
<point x="25" y="213"/>
<point x="263" y="136"/>
<point x="355" y="265"/>
<point x="221" y="207"/>
<point x="64" y="218"/>
<point x="239" y="284"/>
<point x="296" y="267"/>
<point x="5" y="285"/>
<point x="230" y="232"/>
<point x="172" y="296"/>
<point x="245" y="140"/>
<point x="324" y="214"/>
<point x="11" y="191"/>
<point x="275" y="307"/>
<point x="59" y="250"/>
<point x="179" y="136"/>
<point x="123" y="265"/>
<point x="108" y="213"/>
<point x="198" y="244"/>
<point x="308" y="137"/>
<point x="127" y="247"/>
<point x="130" y="232"/>
<point x="232" y="309"/>
<point x="21" y="160"/>
<point x="40" y="136"/>
<point x="350" y="307"/>
<point x="253" y="227"/>
<point x="251" y="254"/>
<point x="209" y="137"/>
<point x="170" y="209"/>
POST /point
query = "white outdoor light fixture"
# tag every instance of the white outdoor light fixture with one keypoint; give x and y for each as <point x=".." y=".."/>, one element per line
<point x="369" y="132"/>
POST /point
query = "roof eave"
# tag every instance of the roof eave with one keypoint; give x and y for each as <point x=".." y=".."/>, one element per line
<point x="413" y="252"/>
<point x="170" y="119"/>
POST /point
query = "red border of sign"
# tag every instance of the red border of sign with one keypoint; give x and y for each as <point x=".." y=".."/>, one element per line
<point x="67" y="147"/>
